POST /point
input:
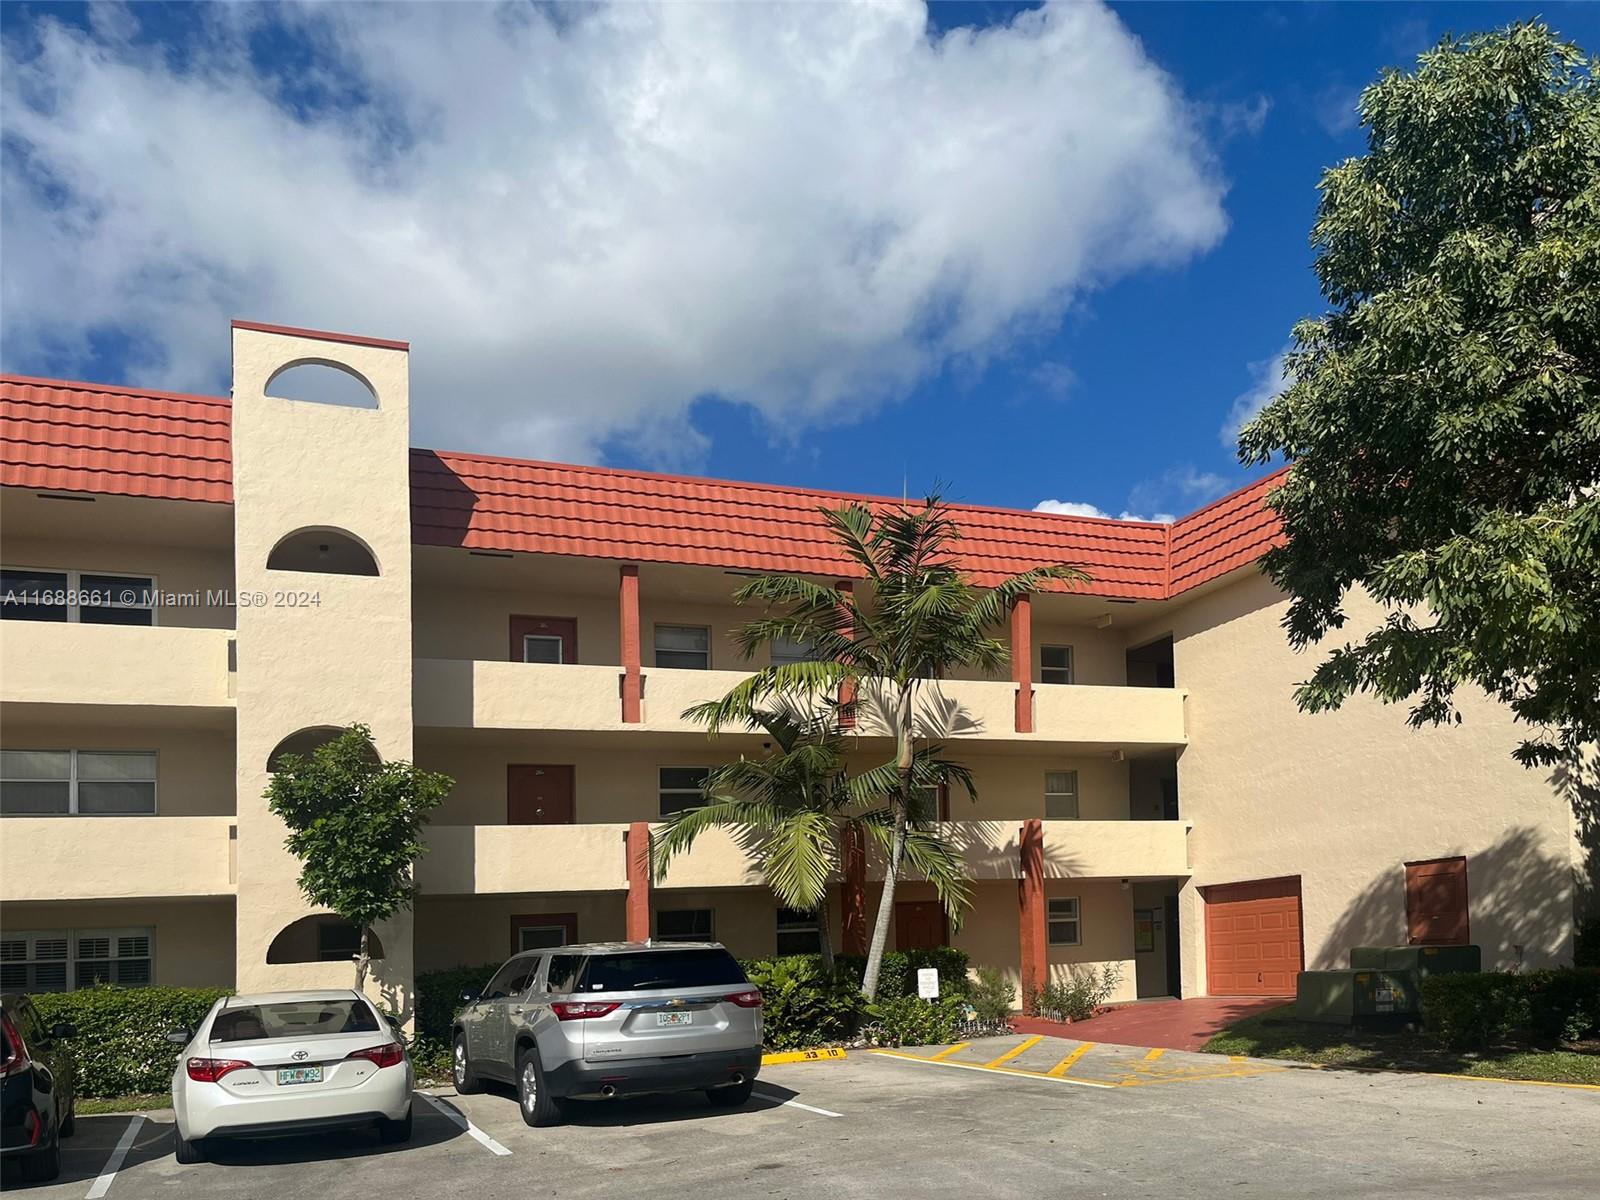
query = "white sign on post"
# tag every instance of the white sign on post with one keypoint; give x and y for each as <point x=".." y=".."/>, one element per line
<point x="928" y="983"/>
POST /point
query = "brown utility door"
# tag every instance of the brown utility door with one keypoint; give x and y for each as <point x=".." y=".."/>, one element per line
<point x="544" y="639"/>
<point x="539" y="795"/>
<point x="1436" y="902"/>
<point x="918" y="925"/>
<point x="1253" y="944"/>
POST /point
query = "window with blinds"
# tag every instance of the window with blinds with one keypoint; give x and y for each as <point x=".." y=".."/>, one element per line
<point x="46" y="783"/>
<point x="64" y="960"/>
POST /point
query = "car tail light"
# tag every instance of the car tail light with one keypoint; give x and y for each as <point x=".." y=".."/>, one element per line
<point x="211" y="1070"/>
<point x="16" y="1059"/>
<point x="749" y="999"/>
<point x="391" y="1054"/>
<point x="582" y="1010"/>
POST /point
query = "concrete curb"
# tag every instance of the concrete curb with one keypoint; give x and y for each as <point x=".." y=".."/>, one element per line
<point x="797" y="1056"/>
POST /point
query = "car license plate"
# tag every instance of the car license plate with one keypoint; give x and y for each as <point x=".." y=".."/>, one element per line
<point x="675" y="1018"/>
<point x="288" y="1075"/>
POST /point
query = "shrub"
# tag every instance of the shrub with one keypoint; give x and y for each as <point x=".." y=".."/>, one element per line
<point x="803" y="1005"/>
<point x="898" y="975"/>
<point x="992" y="995"/>
<point x="1079" y="998"/>
<point x="438" y="1001"/>
<point x="1471" y="1012"/>
<point x="1586" y="948"/>
<point x="121" y="1043"/>
<point x="908" y="1021"/>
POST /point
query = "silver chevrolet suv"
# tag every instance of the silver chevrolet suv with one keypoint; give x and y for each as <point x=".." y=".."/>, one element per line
<point x="612" y="1019"/>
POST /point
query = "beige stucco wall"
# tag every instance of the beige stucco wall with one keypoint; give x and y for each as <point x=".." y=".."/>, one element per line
<point x="345" y="659"/>
<point x="193" y="939"/>
<point x="171" y="666"/>
<point x="462" y="931"/>
<point x="1344" y="799"/>
<point x="178" y="571"/>
<point x="481" y="859"/>
<point x="70" y="858"/>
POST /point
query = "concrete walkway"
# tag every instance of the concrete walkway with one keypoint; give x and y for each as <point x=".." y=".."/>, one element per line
<point x="1166" y="1024"/>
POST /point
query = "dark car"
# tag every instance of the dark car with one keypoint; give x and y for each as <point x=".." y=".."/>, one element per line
<point x="37" y="1092"/>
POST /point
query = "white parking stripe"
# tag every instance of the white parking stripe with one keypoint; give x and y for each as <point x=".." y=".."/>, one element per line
<point x="102" y="1185"/>
<point x="459" y="1119"/>
<point x="810" y="1108"/>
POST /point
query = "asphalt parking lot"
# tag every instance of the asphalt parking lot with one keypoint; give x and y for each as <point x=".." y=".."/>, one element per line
<point x="1009" y="1116"/>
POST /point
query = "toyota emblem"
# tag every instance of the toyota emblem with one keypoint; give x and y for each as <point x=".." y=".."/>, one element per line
<point x="298" y="1055"/>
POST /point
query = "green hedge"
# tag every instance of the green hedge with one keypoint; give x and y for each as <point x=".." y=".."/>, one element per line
<point x="1470" y="1012"/>
<point x="438" y="1001"/>
<point x="120" y="1045"/>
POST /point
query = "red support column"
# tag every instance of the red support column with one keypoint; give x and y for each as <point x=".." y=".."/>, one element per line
<point x="853" y="896"/>
<point x="638" y="907"/>
<point x="1030" y="891"/>
<point x="847" y="690"/>
<point x="632" y="679"/>
<point x="1022" y="661"/>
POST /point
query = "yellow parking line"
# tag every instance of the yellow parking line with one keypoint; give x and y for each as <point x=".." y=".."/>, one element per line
<point x="1014" y="1051"/>
<point x="948" y="1051"/>
<point x="1065" y="1065"/>
<point x="1235" y="1058"/>
<point x="1153" y="1055"/>
<point x="961" y="1066"/>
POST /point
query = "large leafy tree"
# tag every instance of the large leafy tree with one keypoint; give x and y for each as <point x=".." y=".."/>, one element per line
<point x="355" y="823"/>
<point x="797" y="803"/>
<point x="1442" y="419"/>
<point x="919" y="618"/>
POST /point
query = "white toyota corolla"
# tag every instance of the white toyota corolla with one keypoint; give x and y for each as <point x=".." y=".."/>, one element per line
<point x="289" y="1062"/>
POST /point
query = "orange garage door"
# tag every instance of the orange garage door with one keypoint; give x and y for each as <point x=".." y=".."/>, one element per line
<point x="1253" y="937"/>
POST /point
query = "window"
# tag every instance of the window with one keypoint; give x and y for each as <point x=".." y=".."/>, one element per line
<point x="541" y="648"/>
<point x="797" y="932"/>
<point x="1055" y="664"/>
<point x="89" y="598"/>
<point x="562" y="977"/>
<point x="1061" y="795"/>
<point x="337" y="941"/>
<point x="681" y="788"/>
<point x="661" y="971"/>
<point x="1063" y="922"/>
<point x="63" y="959"/>
<point x="77" y="782"/>
<point x="519" y="969"/>
<point x="787" y="650"/>
<point x="930" y="804"/>
<point x="687" y="647"/>
<point x="540" y="937"/>
<point x="684" y="925"/>
<point x="294" y="1019"/>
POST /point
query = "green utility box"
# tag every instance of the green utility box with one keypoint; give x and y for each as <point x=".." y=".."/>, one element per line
<point x="1421" y="960"/>
<point x="1352" y="997"/>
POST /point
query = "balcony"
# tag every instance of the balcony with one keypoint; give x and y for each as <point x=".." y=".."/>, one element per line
<point x="43" y="662"/>
<point x="479" y="860"/>
<point x="456" y="693"/>
<point x="114" y="858"/>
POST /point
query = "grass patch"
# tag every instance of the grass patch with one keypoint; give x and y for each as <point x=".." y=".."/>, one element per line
<point x="94" y="1106"/>
<point x="1276" y="1034"/>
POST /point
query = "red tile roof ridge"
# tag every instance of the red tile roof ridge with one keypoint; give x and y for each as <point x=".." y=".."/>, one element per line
<point x="113" y="389"/>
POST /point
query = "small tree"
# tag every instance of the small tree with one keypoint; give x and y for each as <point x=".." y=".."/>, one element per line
<point x="1443" y="417"/>
<point x="355" y="823"/>
<point x="926" y="619"/>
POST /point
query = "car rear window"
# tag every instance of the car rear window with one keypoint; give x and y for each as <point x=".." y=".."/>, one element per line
<point x="294" y="1018"/>
<point x="659" y="970"/>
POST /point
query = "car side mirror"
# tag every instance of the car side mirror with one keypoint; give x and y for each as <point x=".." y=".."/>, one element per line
<point x="180" y="1037"/>
<point x="63" y="1029"/>
<point x="470" y="995"/>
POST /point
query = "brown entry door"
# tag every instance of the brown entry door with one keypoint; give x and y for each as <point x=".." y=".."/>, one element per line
<point x="918" y="925"/>
<point x="544" y="639"/>
<point x="1253" y="945"/>
<point x="1436" y="902"/>
<point x="539" y="794"/>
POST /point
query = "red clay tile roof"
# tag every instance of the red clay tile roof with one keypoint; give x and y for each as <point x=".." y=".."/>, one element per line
<point x="84" y="437"/>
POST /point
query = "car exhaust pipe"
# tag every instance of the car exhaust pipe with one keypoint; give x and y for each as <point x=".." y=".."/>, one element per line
<point x="736" y="1080"/>
<point x="609" y="1092"/>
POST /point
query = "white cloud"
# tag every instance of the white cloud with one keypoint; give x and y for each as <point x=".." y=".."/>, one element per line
<point x="1072" y="508"/>
<point x="1268" y="382"/>
<point x="1177" y="489"/>
<point x="586" y="218"/>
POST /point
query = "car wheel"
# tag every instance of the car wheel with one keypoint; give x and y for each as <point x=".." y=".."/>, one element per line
<point x="43" y="1165"/>
<point x="467" y="1083"/>
<point x="188" y="1152"/>
<point x="392" y="1133"/>
<point x="731" y="1097"/>
<point x="539" y="1108"/>
<point x="69" y="1124"/>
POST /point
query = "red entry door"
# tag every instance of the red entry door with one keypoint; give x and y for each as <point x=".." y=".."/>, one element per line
<point x="539" y="794"/>
<point x="544" y="639"/>
<point x="918" y="925"/>
<point x="1436" y="902"/>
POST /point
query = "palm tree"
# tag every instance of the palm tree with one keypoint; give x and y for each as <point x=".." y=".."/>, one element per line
<point x="798" y="802"/>
<point x="926" y="619"/>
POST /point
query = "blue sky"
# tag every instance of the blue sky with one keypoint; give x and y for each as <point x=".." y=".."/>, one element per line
<point x="1043" y="261"/>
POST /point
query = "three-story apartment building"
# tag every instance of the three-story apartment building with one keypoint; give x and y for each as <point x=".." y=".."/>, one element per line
<point x="237" y="577"/>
